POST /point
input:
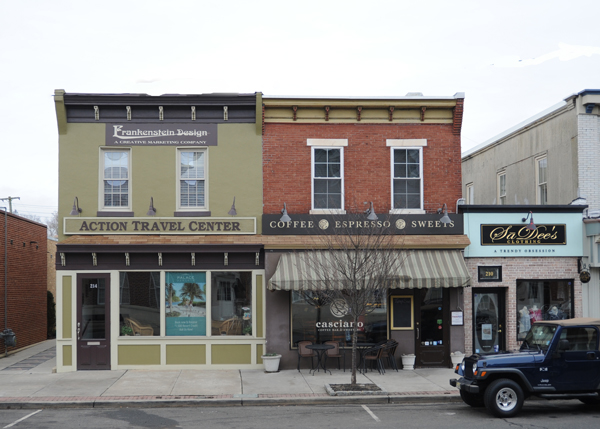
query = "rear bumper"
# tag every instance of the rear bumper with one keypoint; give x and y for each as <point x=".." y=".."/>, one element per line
<point x="464" y="384"/>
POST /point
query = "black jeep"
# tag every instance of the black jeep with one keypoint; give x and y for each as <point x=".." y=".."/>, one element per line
<point x="559" y="359"/>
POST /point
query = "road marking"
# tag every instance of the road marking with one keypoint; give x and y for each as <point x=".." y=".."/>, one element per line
<point x="371" y="413"/>
<point x="21" y="419"/>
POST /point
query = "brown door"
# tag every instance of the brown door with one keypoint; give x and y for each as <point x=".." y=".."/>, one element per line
<point x="432" y="327"/>
<point x="93" y="321"/>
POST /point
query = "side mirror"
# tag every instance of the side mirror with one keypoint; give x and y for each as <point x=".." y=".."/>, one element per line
<point x="563" y="345"/>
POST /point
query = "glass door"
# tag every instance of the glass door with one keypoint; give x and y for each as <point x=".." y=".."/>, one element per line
<point x="432" y="330"/>
<point x="488" y="320"/>
<point x="93" y="321"/>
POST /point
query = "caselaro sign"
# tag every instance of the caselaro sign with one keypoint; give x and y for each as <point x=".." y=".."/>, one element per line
<point x="520" y="235"/>
<point x="161" y="134"/>
<point x="159" y="226"/>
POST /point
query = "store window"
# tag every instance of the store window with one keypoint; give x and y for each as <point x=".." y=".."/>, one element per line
<point x="192" y="179"/>
<point x="115" y="169"/>
<point x="231" y="303"/>
<point x="185" y="301"/>
<point x="139" y="303"/>
<point x="316" y="319"/>
<point x="541" y="165"/>
<point x="542" y="300"/>
<point x="407" y="183"/>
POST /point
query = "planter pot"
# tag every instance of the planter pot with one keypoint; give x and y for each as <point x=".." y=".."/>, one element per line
<point x="408" y="362"/>
<point x="271" y="363"/>
<point x="457" y="358"/>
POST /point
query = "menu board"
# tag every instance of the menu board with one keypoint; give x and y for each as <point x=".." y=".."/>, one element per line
<point x="402" y="312"/>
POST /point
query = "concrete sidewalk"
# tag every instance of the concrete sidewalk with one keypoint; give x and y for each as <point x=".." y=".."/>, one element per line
<point x="27" y="381"/>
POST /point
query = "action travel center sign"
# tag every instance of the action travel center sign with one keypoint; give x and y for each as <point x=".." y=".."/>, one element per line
<point x="416" y="224"/>
<point x="135" y="134"/>
<point x="159" y="226"/>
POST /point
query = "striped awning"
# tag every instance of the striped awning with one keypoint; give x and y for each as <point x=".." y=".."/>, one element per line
<point x="413" y="269"/>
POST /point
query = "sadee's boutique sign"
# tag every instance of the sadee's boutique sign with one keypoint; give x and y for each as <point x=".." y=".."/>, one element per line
<point x="426" y="224"/>
<point x="160" y="225"/>
<point x="161" y="134"/>
<point x="519" y="235"/>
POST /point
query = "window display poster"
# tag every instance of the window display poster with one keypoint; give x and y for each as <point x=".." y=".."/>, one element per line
<point x="486" y="331"/>
<point x="186" y="304"/>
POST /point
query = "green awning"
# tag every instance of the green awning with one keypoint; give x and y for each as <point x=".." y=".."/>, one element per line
<point x="413" y="269"/>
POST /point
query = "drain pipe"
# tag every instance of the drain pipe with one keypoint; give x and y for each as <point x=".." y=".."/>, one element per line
<point x="5" y="277"/>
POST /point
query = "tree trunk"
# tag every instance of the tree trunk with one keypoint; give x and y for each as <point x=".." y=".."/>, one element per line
<point x="354" y="338"/>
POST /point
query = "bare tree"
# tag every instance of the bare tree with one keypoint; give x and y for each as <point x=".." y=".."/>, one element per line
<point x="52" y="223"/>
<point x="357" y="265"/>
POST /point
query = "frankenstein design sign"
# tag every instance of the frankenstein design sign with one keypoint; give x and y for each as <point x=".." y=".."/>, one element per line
<point x="519" y="235"/>
<point x="161" y="135"/>
<point x="425" y="224"/>
<point x="160" y="225"/>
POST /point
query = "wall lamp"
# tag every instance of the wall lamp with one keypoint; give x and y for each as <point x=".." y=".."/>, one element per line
<point x="445" y="219"/>
<point x="285" y="217"/>
<point x="531" y="226"/>
<point x="151" y="209"/>
<point x="370" y="212"/>
<point x="232" y="211"/>
<point x="76" y="210"/>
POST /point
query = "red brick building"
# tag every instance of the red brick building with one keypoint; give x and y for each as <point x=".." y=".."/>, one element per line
<point x="23" y="269"/>
<point x="326" y="157"/>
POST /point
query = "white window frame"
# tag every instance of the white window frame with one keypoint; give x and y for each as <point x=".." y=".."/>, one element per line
<point x="501" y="197"/>
<point x="470" y="193"/>
<point x="538" y="184"/>
<point x="101" y="179"/>
<point x="326" y="144"/>
<point x="181" y="208"/>
<point x="406" y="144"/>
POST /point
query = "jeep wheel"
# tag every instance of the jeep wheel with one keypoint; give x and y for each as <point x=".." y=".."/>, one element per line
<point x="504" y="398"/>
<point x="472" y="399"/>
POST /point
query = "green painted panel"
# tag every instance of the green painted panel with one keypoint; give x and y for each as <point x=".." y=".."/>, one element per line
<point x="226" y="354"/>
<point x="67" y="301"/>
<point x="259" y="306"/>
<point x="154" y="174"/>
<point x="67" y="355"/>
<point x="184" y="354"/>
<point x="259" y="353"/>
<point x="139" y="355"/>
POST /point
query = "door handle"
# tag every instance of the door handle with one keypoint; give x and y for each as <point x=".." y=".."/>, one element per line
<point x="78" y="330"/>
<point x="417" y="333"/>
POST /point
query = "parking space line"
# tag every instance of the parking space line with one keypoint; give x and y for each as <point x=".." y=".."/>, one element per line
<point x="21" y="419"/>
<point x="371" y="413"/>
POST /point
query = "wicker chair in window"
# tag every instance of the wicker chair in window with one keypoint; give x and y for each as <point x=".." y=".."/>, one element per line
<point x="336" y="353"/>
<point x="138" y="328"/>
<point x="303" y="352"/>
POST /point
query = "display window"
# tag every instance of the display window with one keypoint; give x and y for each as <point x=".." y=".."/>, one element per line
<point x="185" y="301"/>
<point x="542" y="300"/>
<point x="318" y="320"/>
<point x="231" y="303"/>
<point x="139" y="294"/>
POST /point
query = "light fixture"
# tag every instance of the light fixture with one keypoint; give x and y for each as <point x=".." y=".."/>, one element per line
<point x="531" y="226"/>
<point x="76" y="210"/>
<point x="285" y="217"/>
<point x="445" y="219"/>
<point x="232" y="211"/>
<point x="151" y="210"/>
<point x="370" y="212"/>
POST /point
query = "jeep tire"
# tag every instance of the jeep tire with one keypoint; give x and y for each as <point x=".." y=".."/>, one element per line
<point x="504" y="398"/>
<point x="473" y="399"/>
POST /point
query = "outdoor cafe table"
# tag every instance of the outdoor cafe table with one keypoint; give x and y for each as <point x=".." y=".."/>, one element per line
<point x="320" y="349"/>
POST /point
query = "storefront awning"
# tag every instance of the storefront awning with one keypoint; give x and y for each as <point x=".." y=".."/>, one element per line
<point x="415" y="269"/>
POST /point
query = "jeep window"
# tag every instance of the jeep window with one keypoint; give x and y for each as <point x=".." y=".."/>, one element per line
<point x="539" y="337"/>
<point x="582" y="339"/>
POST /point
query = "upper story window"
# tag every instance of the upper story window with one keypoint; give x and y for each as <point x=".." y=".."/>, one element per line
<point x="192" y="179"/>
<point x="407" y="174"/>
<point x="327" y="182"/>
<point x="501" y="188"/>
<point x="470" y="193"/>
<point x="541" y="168"/>
<point x="116" y="189"/>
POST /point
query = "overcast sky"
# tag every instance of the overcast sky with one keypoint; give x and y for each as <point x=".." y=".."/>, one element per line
<point x="512" y="59"/>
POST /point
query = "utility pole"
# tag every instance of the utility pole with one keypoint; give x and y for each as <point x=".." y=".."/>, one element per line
<point x="9" y="198"/>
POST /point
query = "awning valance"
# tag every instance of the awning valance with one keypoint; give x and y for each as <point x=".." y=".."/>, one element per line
<point x="415" y="269"/>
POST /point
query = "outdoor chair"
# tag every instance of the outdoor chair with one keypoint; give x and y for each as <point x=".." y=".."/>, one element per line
<point x="138" y="328"/>
<point x="336" y="353"/>
<point x="303" y="352"/>
<point x="388" y="353"/>
<point x="373" y="355"/>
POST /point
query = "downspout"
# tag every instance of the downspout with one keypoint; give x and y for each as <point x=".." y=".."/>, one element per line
<point x="5" y="276"/>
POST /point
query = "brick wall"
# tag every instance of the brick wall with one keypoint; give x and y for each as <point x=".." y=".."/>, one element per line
<point x="589" y="158"/>
<point x="51" y="266"/>
<point x="513" y="269"/>
<point x="27" y="283"/>
<point x="367" y="175"/>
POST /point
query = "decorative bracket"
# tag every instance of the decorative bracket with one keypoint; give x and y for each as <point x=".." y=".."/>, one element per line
<point x="257" y="260"/>
<point x="193" y="113"/>
<point x="423" y="113"/>
<point x="96" y="113"/>
<point x="63" y="259"/>
<point x="225" y="114"/>
<point x="128" y="112"/>
<point x="94" y="260"/>
<point x="295" y="109"/>
<point x="391" y="114"/>
<point x="160" y="259"/>
<point x="127" y="259"/>
<point x="193" y="259"/>
<point x="326" y="113"/>
<point x="161" y="113"/>
<point x="358" y="112"/>
<point x="589" y="107"/>
<point x="226" y="259"/>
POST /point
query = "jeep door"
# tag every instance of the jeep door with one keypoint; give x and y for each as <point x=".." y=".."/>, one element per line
<point x="577" y="368"/>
